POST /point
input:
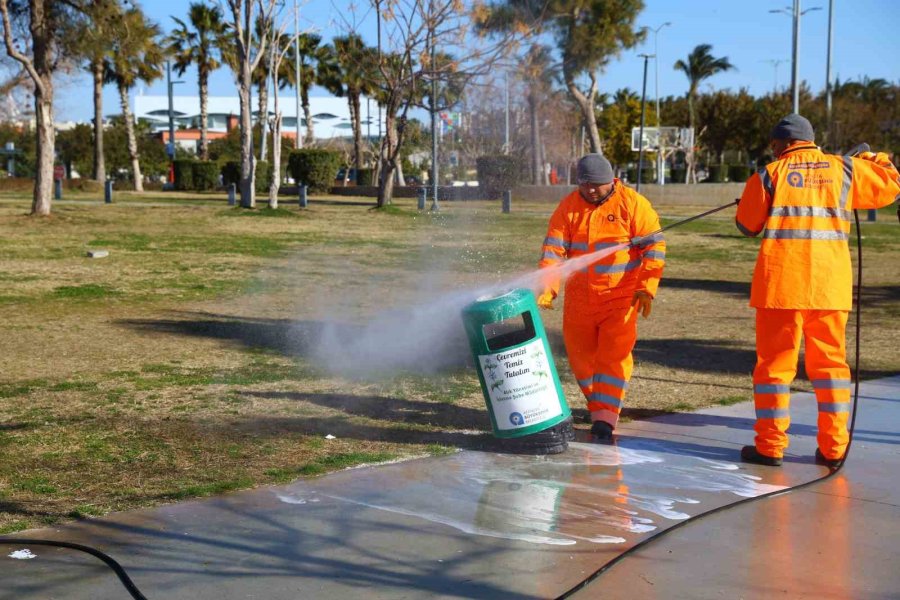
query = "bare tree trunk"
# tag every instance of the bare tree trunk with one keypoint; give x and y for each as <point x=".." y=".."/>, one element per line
<point x="586" y="104"/>
<point x="40" y="69"/>
<point x="691" y="173"/>
<point x="204" y="116"/>
<point x="132" y="141"/>
<point x="357" y="132"/>
<point x="536" y="166"/>
<point x="310" y="134"/>
<point x="388" y="159"/>
<point x="401" y="180"/>
<point x="99" y="161"/>
<point x="263" y="119"/>
<point x="275" y="181"/>
<point x="46" y="141"/>
<point x="248" y="198"/>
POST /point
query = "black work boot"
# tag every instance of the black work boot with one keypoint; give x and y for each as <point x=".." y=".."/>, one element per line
<point x="751" y="455"/>
<point x="831" y="463"/>
<point x="602" y="432"/>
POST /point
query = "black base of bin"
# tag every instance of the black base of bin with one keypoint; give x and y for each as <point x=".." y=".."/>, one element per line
<point x="553" y="440"/>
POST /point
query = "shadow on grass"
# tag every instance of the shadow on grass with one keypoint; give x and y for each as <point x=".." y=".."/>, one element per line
<point x="307" y="339"/>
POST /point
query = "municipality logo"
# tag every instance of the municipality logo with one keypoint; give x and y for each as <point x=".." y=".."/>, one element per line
<point x="795" y="179"/>
<point x="516" y="418"/>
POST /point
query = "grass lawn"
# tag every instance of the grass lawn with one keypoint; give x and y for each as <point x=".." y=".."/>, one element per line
<point x="185" y="363"/>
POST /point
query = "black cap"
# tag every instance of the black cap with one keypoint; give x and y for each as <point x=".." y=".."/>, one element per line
<point x="794" y="127"/>
<point x="594" y="168"/>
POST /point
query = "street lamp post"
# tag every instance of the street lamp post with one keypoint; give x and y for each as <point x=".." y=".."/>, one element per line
<point x="775" y="62"/>
<point x="795" y="13"/>
<point x="298" y="142"/>
<point x="646" y="57"/>
<point x="170" y="148"/>
<point x="828" y="72"/>
<point x="660" y="166"/>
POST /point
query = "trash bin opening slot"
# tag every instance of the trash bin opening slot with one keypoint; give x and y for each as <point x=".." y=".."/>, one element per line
<point x="509" y="332"/>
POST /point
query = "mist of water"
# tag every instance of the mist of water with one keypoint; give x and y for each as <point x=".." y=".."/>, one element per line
<point x="428" y="336"/>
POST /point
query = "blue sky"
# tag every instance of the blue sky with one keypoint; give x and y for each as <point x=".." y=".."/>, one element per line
<point x="866" y="43"/>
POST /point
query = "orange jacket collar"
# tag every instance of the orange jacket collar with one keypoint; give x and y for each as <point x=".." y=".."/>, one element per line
<point x="799" y="145"/>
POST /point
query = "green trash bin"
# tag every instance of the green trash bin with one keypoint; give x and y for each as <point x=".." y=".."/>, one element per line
<point x="515" y="366"/>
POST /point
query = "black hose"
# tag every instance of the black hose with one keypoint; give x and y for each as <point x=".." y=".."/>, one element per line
<point x="614" y="561"/>
<point x="116" y="567"/>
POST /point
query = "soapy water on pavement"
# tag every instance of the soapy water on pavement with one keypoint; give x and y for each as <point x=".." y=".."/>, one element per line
<point x="428" y="336"/>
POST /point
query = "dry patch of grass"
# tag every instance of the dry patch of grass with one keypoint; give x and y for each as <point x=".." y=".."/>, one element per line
<point x="181" y="366"/>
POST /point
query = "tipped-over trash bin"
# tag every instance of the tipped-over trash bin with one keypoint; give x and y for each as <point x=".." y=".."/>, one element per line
<point x="518" y="376"/>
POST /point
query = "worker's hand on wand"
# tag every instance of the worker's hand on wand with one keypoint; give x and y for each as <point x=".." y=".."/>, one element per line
<point x="643" y="301"/>
<point x="545" y="300"/>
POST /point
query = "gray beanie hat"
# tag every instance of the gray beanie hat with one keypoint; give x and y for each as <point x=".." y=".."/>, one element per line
<point x="794" y="127"/>
<point x="594" y="168"/>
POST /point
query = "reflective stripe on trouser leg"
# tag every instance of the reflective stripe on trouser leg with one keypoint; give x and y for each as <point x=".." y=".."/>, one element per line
<point x="777" y="348"/>
<point x="826" y="366"/>
<point x="599" y="348"/>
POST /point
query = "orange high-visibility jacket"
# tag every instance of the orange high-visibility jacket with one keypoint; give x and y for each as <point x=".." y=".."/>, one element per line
<point x="578" y="227"/>
<point x="802" y="204"/>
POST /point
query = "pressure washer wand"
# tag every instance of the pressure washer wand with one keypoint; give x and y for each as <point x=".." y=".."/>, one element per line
<point x="639" y="240"/>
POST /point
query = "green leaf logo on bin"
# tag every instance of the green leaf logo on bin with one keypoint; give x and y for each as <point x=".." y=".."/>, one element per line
<point x="518" y="376"/>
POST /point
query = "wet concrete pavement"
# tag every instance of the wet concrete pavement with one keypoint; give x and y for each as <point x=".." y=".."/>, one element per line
<point x="486" y="525"/>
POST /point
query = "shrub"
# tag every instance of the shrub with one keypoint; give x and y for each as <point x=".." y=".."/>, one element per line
<point x="647" y="175"/>
<point x="231" y="172"/>
<point x="206" y="175"/>
<point x="314" y="168"/>
<point x="364" y="176"/>
<point x="500" y="173"/>
<point x="263" y="176"/>
<point x="716" y="174"/>
<point x="184" y="174"/>
<point x="739" y="173"/>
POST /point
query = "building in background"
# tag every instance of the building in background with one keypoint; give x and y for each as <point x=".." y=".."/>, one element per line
<point x="330" y="117"/>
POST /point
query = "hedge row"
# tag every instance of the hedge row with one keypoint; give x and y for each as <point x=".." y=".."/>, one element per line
<point x="314" y="168"/>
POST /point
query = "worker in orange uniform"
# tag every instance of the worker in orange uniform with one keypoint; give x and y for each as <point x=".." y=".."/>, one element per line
<point x="602" y="301"/>
<point x="802" y="283"/>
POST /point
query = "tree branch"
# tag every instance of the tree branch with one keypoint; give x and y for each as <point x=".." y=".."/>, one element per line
<point x="14" y="53"/>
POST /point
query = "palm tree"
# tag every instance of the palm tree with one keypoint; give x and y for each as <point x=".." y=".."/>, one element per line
<point x="700" y="66"/>
<point x="348" y="70"/>
<point x="136" y="56"/>
<point x="90" y="42"/>
<point x="311" y="54"/>
<point x="197" y="42"/>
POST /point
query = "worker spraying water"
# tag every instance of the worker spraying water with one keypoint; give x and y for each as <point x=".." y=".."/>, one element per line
<point x="602" y="301"/>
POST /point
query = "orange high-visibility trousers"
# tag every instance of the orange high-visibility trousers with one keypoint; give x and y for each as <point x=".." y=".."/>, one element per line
<point x="778" y="333"/>
<point x="599" y="347"/>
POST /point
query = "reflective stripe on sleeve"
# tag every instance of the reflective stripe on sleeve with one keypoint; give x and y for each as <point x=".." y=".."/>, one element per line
<point x="805" y="234"/>
<point x="549" y="255"/>
<point x="556" y="242"/>
<point x="744" y="230"/>
<point x="848" y="179"/>
<point x="771" y="388"/>
<point x="766" y="180"/>
<point x="772" y="413"/>
<point x="579" y="246"/>
<point x="659" y="254"/>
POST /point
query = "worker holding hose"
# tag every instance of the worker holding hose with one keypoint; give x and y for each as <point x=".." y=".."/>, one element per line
<point x="602" y="302"/>
<point x="802" y="283"/>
